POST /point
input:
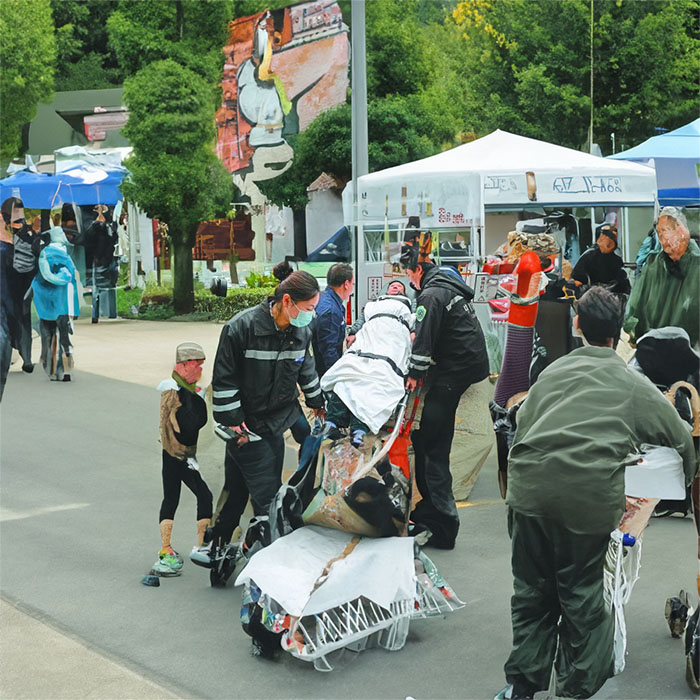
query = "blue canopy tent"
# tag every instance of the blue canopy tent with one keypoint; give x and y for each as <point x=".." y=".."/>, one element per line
<point x="336" y="249"/>
<point x="82" y="186"/>
<point x="676" y="158"/>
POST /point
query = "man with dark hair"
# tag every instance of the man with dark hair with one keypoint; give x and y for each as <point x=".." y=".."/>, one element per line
<point x="27" y="245"/>
<point x="566" y="478"/>
<point x="450" y="353"/>
<point x="329" y="325"/>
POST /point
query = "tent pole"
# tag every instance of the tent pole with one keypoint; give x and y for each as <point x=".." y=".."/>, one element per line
<point x="360" y="160"/>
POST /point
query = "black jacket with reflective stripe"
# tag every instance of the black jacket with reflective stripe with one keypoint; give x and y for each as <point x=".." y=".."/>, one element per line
<point x="449" y="341"/>
<point x="257" y="369"/>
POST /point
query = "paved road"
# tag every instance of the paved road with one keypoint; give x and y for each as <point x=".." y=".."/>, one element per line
<point x="79" y="503"/>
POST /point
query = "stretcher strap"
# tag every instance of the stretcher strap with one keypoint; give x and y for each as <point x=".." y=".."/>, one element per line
<point x="372" y="356"/>
<point x="402" y="321"/>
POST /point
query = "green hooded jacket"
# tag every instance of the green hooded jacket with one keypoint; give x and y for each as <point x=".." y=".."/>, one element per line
<point x="660" y="298"/>
<point x="582" y="418"/>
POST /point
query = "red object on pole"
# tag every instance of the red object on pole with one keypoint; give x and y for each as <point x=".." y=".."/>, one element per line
<point x="527" y="274"/>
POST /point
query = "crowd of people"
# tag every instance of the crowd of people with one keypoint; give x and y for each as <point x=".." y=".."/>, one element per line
<point x="44" y="267"/>
<point x="583" y="415"/>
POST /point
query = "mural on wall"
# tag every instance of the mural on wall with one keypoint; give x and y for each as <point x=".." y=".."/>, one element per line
<point x="283" y="68"/>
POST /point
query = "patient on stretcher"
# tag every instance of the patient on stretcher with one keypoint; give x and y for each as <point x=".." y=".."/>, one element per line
<point x="366" y="384"/>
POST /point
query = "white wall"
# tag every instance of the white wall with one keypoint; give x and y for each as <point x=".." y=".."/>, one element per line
<point x="324" y="216"/>
<point x="280" y="223"/>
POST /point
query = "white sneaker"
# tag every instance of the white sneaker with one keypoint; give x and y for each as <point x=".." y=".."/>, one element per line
<point x="160" y="568"/>
<point x="201" y="556"/>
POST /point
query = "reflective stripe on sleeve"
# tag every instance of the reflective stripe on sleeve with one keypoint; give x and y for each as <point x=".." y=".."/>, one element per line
<point x="227" y="407"/>
<point x="272" y="355"/>
<point x="228" y="394"/>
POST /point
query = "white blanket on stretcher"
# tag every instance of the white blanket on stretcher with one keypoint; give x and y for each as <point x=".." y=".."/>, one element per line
<point x="381" y="570"/>
<point x="371" y="388"/>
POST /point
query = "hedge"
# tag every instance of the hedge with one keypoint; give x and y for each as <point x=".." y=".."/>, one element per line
<point x="237" y="299"/>
<point x="156" y="304"/>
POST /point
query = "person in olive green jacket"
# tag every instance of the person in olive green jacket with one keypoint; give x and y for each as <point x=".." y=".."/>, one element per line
<point x="585" y="414"/>
<point x="668" y="292"/>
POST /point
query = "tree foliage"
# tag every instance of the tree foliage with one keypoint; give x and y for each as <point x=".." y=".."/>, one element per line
<point x="529" y="67"/>
<point x="84" y="59"/>
<point x="175" y="175"/>
<point x="27" y="57"/>
<point x="190" y="32"/>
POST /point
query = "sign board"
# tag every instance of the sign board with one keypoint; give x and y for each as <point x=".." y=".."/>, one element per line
<point x="98" y="125"/>
<point x="374" y="286"/>
<point x="485" y="286"/>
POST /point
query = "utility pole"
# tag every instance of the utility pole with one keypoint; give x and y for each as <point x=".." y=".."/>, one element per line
<point x="358" y="77"/>
<point x="590" y="125"/>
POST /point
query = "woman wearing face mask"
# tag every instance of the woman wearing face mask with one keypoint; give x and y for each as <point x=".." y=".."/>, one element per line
<point x="263" y="355"/>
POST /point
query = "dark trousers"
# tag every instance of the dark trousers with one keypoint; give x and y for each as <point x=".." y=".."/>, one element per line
<point x="104" y="294"/>
<point x="254" y="470"/>
<point x="20" y="282"/>
<point x="558" y="596"/>
<point x="55" y="344"/>
<point x="176" y="473"/>
<point x="432" y="443"/>
<point x="339" y="414"/>
<point x="5" y="356"/>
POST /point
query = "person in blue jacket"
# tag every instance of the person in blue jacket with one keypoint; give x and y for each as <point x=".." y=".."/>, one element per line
<point x="329" y="325"/>
<point x="56" y="300"/>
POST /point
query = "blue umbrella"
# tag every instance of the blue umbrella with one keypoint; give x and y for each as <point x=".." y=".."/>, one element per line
<point x="84" y="185"/>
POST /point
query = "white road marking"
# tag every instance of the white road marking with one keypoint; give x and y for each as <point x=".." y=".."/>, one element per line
<point x="7" y="514"/>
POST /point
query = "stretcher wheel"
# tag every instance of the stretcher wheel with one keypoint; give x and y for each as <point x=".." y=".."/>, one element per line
<point x="216" y="580"/>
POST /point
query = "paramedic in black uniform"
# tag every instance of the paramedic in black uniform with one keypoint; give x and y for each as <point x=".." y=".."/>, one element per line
<point x="449" y="354"/>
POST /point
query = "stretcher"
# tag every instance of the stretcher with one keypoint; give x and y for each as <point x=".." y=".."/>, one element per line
<point x="350" y="578"/>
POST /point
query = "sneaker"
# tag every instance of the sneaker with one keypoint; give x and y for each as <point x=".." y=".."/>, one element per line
<point x="172" y="559"/>
<point x="160" y="568"/>
<point x="66" y="377"/>
<point x="28" y="368"/>
<point x="201" y="556"/>
<point x="505" y="694"/>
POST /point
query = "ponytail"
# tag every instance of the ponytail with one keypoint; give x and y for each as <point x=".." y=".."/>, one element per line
<point x="300" y="285"/>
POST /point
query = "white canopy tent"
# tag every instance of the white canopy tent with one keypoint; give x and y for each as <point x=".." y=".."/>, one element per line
<point x="514" y="172"/>
<point x="499" y="172"/>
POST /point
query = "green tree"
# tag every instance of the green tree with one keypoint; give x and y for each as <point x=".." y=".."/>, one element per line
<point x="190" y="32"/>
<point x="529" y="67"/>
<point x="175" y="175"/>
<point x="85" y="61"/>
<point x="400" y="128"/>
<point x="647" y="67"/>
<point x="27" y="58"/>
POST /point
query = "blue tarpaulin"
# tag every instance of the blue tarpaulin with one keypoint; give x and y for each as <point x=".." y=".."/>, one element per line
<point x="676" y="158"/>
<point x="85" y="185"/>
<point x="336" y="249"/>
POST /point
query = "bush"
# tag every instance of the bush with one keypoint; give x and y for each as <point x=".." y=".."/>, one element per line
<point x="256" y="281"/>
<point x="157" y="303"/>
<point x="126" y="299"/>
<point x="237" y="299"/>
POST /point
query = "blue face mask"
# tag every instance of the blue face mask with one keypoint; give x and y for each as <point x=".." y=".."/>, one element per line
<point x="303" y="318"/>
